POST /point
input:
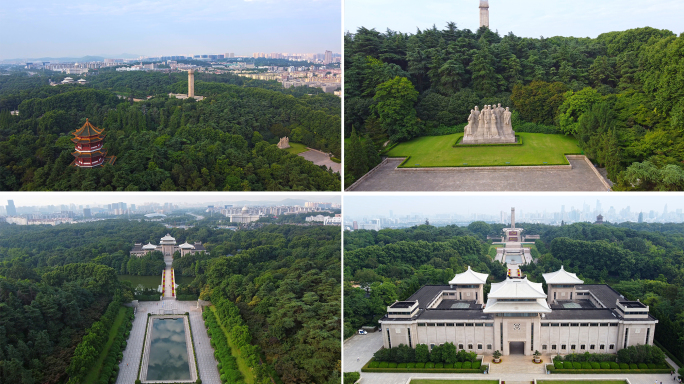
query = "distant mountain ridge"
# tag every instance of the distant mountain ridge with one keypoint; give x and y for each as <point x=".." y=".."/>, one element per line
<point x="72" y="59"/>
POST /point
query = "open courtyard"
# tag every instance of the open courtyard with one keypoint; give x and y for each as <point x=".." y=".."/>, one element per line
<point x="439" y="151"/>
<point x="358" y="349"/>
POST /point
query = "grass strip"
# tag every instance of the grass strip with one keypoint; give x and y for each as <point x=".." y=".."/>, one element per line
<point x="296" y="148"/>
<point x="242" y="365"/>
<point x="94" y="373"/>
<point x="420" y="381"/>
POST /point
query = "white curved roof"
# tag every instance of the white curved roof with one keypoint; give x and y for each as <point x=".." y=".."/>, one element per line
<point x="186" y="246"/>
<point x="244" y="209"/>
<point x="149" y="246"/>
<point x="517" y="289"/>
<point x="562" y="276"/>
<point x="469" y="277"/>
<point x="168" y="238"/>
<point x="497" y="306"/>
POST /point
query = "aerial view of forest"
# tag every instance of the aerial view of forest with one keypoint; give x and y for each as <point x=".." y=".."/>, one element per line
<point x="275" y="288"/>
<point x="227" y="141"/>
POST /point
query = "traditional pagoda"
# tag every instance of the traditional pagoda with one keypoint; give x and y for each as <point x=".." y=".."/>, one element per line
<point x="89" y="152"/>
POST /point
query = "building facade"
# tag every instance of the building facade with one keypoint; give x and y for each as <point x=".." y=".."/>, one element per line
<point x="167" y="246"/>
<point x="519" y="317"/>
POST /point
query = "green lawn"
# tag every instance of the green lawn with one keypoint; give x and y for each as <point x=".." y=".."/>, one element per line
<point x="581" y="381"/>
<point x="242" y="365"/>
<point x="457" y="382"/>
<point x="94" y="373"/>
<point x="439" y="151"/>
<point x="297" y="148"/>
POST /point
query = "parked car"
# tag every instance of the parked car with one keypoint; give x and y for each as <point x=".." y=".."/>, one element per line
<point x="362" y="332"/>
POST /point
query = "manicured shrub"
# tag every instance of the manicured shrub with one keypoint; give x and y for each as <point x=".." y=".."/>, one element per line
<point x="383" y="364"/>
<point x="624" y="366"/>
<point x="585" y="365"/>
<point x="420" y="365"/>
<point x="373" y="364"/>
<point x="439" y="365"/>
<point x="558" y="364"/>
<point x="651" y="366"/>
<point x="351" y="377"/>
<point x="642" y="366"/>
<point x="476" y="365"/>
<point x="467" y="365"/>
<point x="567" y="365"/>
<point x="410" y="365"/>
<point x="576" y="365"/>
<point x="614" y="365"/>
<point x="605" y="365"/>
<point x="458" y="365"/>
<point x="392" y="365"/>
<point x="550" y="367"/>
<point x="429" y="365"/>
<point x="595" y="365"/>
<point x="633" y="366"/>
<point x="401" y="365"/>
<point x="448" y="366"/>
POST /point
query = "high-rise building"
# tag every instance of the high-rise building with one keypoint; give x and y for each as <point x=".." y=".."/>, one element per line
<point x="86" y="213"/>
<point x="328" y="58"/>
<point x="484" y="13"/>
<point x="11" y="209"/>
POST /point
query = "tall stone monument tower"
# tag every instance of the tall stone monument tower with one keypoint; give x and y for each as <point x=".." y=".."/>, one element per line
<point x="484" y="13"/>
<point x="191" y="83"/>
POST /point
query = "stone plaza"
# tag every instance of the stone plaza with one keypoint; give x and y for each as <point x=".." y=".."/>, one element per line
<point x="387" y="177"/>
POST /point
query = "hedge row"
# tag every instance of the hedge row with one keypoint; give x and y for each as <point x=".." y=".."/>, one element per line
<point x="619" y="369"/>
<point x="605" y="365"/>
<point x="90" y="347"/>
<point x="110" y="367"/>
<point x="465" y="367"/>
<point x="227" y="365"/>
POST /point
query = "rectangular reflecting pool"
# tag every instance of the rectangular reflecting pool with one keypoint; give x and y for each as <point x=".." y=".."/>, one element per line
<point x="168" y="354"/>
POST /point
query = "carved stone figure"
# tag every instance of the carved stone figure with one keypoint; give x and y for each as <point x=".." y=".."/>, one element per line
<point x="491" y="125"/>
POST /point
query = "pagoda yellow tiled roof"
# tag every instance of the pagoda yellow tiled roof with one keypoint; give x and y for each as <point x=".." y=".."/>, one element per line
<point x="88" y="130"/>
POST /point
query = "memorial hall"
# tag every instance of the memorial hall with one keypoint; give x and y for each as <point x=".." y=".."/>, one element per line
<point x="518" y="317"/>
<point x="167" y="246"/>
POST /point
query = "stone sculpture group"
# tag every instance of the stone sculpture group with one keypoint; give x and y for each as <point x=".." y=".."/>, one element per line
<point x="492" y="125"/>
<point x="284" y="143"/>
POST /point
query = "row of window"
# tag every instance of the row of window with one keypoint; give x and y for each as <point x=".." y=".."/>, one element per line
<point x="470" y="346"/>
<point x="582" y="347"/>
<point x="579" y="324"/>
<point x="455" y="324"/>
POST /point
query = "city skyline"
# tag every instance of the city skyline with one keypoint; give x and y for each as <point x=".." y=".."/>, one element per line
<point x="358" y="207"/>
<point x="41" y="199"/>
<point x="155" y="28"/>
<point x="526" y="18"/>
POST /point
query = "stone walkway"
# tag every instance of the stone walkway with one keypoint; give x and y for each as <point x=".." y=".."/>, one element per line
<point x="320" y="158"/>
<point x="388" y="178"/>
<point x="128" y="368"/>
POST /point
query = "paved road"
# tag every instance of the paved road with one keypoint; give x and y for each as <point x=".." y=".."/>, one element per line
<point x="320" y="158"/>
<point x="128" y="368"/>
<point x="387" y="178"/>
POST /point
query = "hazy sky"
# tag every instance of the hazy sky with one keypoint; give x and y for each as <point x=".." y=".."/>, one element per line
<point x="74" y="28"/>
<point x="96" y="198"/>
<point x="526" y="18"/>
<point x="360" y="206"/>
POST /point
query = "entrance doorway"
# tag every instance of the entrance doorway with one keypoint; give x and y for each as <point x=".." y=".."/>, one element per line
<point x="516" y="347"/>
